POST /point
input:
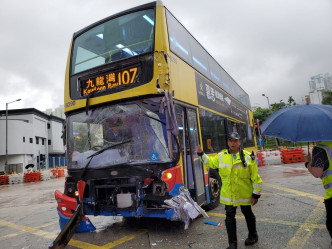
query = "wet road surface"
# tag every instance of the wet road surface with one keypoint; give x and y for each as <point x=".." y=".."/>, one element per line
<point x="290" y="214"/>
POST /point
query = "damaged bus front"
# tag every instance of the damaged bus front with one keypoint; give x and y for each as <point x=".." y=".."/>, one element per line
<point x="127" y="158"/>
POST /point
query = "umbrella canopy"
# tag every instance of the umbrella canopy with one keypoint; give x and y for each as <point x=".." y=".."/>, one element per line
<point x="300" y="123"/>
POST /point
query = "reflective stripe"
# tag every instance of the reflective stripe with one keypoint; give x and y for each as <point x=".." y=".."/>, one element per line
<point x="326" y="176"/>
<point x="237" y="166"/>
<point x="220" y="158"/>
<point x="329" y="152"/>
<point x="241" y="200"/>
<point x="326" y="173"/>
<point x="225" y="199"/>
<point x="234" y="201"/>
<point x="223" y="165"/>
<point x="329" y="185"/>
<point x="257" y="192"/>
<point x="327" y="149"/>
<point x="247" y="159"/>
<point x="206" y="159"/>
<point x="257" y="185"/>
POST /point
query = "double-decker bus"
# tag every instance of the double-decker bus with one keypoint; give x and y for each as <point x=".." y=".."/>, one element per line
<point x="140" y="94"/>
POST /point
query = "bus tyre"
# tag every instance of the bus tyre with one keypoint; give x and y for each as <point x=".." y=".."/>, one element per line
<point x="214" y="188"/>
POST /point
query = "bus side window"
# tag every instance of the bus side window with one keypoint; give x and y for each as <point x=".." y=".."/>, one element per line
<point x="213" y="131"/>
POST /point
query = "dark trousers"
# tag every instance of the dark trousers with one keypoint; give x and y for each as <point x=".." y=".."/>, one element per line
<point x="231" y="222"/>
<point x="328" y="206"/>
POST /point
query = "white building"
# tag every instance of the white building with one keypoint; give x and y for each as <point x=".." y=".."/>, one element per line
<point x="318" y="84"/>
<point x="32" y="135"/>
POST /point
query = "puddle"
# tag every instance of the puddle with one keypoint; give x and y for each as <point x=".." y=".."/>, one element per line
<point x="295" y="172"/>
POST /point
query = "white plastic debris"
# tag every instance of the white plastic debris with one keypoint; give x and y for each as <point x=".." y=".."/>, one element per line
<point x="185" y="208"/>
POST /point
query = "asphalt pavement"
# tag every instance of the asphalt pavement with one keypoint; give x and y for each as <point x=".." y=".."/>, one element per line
<point x="290" y="214"/>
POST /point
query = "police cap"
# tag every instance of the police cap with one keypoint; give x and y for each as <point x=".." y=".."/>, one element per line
<point x="234" y="135"/>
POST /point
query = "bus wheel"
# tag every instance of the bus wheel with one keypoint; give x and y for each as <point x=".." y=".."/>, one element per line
<point x="214" y="188"/>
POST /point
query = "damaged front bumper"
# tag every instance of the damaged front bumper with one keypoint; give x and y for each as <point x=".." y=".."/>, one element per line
<point x="66" y="207"/>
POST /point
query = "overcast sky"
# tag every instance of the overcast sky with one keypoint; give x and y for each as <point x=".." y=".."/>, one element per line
<point x="267" y="46"/>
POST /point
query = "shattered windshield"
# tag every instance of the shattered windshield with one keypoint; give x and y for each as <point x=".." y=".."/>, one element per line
<point x="132" y="133"/>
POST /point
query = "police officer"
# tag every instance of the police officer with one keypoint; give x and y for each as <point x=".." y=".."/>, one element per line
<point x="241" y="185"/>
<point x="321" y="166"/>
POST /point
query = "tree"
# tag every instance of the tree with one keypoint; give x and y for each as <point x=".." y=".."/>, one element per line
<point x="282" y="104"/>
<point x="278" y="106"/>
<point x="327" y="99"/>
<point x="291" y="101"/>
<point x="262" y="114"/>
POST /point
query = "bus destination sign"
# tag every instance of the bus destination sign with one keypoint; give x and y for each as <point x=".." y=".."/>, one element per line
<point x="110" y="80"/>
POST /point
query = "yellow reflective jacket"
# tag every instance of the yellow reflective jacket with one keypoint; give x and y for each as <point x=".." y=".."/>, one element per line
<point x="327" y="174"/>
<point x="239" y="183"/>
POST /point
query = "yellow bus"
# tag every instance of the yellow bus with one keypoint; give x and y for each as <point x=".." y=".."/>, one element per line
<point x="140" y="94"/>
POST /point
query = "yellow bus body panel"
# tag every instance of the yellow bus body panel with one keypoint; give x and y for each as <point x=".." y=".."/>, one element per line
<point x="160" y="71"/>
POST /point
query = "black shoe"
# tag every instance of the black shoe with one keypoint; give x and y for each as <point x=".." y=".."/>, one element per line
<point x="232" y="246"/>
<point x="251" y="240"/>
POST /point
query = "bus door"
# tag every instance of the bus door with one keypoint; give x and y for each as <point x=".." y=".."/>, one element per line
<point x="192" y="166"/>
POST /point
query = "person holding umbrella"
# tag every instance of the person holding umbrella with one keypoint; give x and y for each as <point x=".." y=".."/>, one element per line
<point x="241" y="185"/>
<point x="305" y="123"/>
<point x="321" y="166"/>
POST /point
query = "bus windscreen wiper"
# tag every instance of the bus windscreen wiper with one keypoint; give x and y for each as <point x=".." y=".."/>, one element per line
<point x="101" y="151"/>
<point x="109" y="147"/>
<point x="146" y="114"/>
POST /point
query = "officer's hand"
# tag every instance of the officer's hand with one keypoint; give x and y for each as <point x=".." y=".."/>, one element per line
<point x="199" y="149"/>
<point x="253" y="201"/>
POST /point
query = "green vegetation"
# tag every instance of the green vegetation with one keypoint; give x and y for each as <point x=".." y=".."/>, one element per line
<point x="272" y="143"/>
<point x="282" y="104"/>
<point x="263" y="113"/>
<point x="327" y="100"/>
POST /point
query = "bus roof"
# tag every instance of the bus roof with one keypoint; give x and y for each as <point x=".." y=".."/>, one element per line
<point x="143" y="6"/>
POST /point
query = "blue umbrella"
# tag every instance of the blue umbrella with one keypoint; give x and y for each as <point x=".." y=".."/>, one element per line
<point x="300" y="123"/>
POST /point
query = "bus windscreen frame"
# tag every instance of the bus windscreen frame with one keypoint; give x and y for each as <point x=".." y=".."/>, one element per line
<point x="120" y="38"/>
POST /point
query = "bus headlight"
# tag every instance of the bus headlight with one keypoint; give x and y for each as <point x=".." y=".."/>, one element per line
<point x="169" y="175"/>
